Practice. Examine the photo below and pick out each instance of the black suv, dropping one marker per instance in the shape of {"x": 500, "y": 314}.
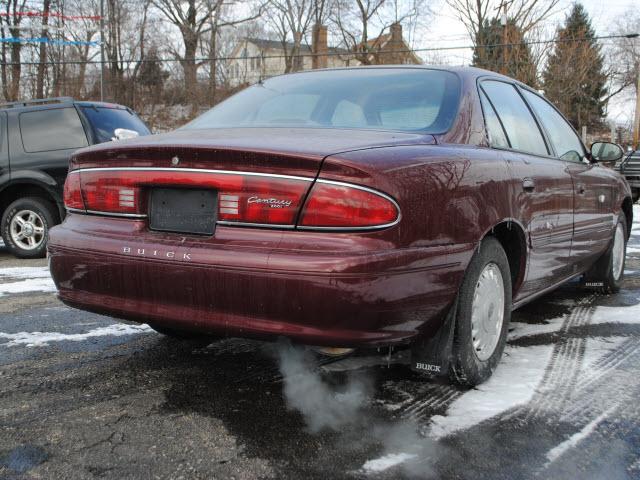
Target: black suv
{"x": 37, "y": 139}
{"x": 630, "y": 169}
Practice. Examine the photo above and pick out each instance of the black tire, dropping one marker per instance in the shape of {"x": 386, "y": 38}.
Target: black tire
{"x": 466, "y": 366}
{"x": 47, "y": 216}
{"x": 184, "y": 335}
{"x": 601, "y": 275}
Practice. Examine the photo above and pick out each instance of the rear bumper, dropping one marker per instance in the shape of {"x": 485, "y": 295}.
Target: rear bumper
{"x": 321, "y": 289}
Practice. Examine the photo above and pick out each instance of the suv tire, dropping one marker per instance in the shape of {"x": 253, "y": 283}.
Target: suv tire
{"x": 25, "y": 226}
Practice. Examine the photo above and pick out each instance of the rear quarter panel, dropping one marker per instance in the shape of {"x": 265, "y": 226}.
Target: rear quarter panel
{"x": 448, "y": 195}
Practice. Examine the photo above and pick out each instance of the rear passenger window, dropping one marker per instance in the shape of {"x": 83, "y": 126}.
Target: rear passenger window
{"x": 520, "y": 126}
{"x": 56, "y": 129}
{"x": 564, "y": 140}
{"x": 497, "y": 137}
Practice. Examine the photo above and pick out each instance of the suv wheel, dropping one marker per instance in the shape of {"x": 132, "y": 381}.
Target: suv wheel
{"x": 25, "y": 226}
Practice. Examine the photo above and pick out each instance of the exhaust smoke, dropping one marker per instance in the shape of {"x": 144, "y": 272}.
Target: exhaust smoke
{"x": 321, "y": 406}
{"x": 329, "y": 407}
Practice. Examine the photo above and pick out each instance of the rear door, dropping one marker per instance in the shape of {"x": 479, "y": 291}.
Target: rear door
{"x": 43, "y": 140}
{"x": 543, "y": 188}
{"x": 593, "y": 189}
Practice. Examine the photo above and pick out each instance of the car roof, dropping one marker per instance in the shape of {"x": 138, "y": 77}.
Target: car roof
{"x": 467, "y": 72}
{"x": 54, "y": 102}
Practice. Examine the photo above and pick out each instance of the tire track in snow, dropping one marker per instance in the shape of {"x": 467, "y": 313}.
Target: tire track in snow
{"x": 562, "y": 372}
{"x": 418, "y": 400}
{"x": 594, "y": 395}
{"x": 609, "y": 362}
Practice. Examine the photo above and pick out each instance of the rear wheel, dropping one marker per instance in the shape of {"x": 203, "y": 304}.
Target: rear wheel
{"x": 607, "y": 273}
{"x": 482, "y": 316}
{"x": 25, "y": 226}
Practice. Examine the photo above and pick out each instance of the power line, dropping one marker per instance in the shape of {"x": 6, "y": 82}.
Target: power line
{"x": 50, "y": 41}
{"x": 31, "y": 13}
{"x": 329, "y": 53}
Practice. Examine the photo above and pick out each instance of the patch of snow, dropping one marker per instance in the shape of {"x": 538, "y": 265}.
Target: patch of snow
{"x": 31, "y": 279}
{"x": 616, "y": 315}
{"x": 577, "y": 437}
{"x": 520, "y": 329}
{"x": 41, "y": 339}
{"x": 386, "y": 462}
{"x": 513, "y": 383}
{"x": 25, "y": 272}
{"x": 595, "y": 349}
{"x": 29, "y": 285}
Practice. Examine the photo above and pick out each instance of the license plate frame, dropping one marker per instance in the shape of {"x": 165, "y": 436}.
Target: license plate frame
{"x": 183, "y": 210}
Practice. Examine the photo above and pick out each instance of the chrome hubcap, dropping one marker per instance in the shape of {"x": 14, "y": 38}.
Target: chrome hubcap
{"x": 617, "y": 259}
{"x": 27, "y": 230}
{"x": 487, "y": 311}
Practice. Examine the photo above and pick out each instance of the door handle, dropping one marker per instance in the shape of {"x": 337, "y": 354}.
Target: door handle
{"x": 528, "y": 185}
{"x": 581, "y": 189}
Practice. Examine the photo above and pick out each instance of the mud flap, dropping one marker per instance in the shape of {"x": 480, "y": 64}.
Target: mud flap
{"x": 432, "y": 356}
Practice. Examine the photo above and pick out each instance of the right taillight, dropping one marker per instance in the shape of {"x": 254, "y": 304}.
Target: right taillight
{"x": 73, "y": 192}
{"x": 345, "y": 206}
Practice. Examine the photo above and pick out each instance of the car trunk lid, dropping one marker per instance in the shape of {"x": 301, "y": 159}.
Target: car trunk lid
{"x": 259, "y": 176}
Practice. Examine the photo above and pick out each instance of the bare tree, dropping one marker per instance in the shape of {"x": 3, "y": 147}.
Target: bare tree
{"x": 359, "y": 23}
{"x": 10, "y": 23}
{"x": 291, "y": 20}
{"x": 525, "y": 14}
{"x": 193, "y": 20}
{"x": 43, "y": 49}
{"x": 623, "y": 57}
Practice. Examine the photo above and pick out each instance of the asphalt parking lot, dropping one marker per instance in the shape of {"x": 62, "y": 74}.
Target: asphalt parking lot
{"x": 82, "y": 396}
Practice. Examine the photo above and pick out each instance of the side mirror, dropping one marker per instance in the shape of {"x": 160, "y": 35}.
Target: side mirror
{"x": 124, "y": 133}
{"x": 606, "y": 152}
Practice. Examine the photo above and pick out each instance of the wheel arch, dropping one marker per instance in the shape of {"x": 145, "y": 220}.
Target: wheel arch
{"x": 627, "y": 209}
{"x": 22, "y": 188}
{"x": 512, "y": 237}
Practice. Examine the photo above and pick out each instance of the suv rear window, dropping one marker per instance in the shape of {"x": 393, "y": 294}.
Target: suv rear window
{"x": 105, "y": 120}
{"x": 55, "y": 129}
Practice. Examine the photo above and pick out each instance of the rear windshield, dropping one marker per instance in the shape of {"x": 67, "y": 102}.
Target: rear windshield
{"x": 105, "y": 120}
{"x": 389, "y": 99}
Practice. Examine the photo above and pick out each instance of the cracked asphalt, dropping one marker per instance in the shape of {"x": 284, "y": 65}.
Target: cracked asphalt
{"x": 83, "y": 397}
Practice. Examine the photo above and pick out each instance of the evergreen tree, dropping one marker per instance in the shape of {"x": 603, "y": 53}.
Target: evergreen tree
{"x": 574, "y": 79}
{"x": 491, "y": 52}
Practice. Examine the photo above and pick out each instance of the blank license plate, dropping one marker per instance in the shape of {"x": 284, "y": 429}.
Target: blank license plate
{"x": 183, "y": 210}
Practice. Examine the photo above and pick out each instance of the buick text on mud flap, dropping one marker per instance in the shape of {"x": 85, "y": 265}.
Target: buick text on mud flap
{"x": 427, "y": 367}
{"x": 151, "y": 252}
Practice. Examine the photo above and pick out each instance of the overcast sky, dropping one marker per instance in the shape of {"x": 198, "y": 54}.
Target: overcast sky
{"x": 446, "y": 30}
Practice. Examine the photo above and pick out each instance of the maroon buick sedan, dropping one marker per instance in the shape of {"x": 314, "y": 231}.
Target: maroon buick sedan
{"x": 375, "y": 207}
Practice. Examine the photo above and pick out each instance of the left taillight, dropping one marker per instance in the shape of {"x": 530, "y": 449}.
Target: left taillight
{"x": 73, "y": 192}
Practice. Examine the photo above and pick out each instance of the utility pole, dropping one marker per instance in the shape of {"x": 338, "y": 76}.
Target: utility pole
{"x": 504, "y": 21}
{"x": 102, "y": 50}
